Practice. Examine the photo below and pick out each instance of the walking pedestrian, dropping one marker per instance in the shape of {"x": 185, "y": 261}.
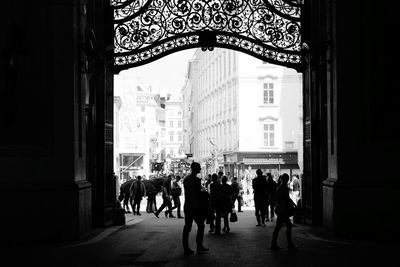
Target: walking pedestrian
{"x": 166, "y": 196}
{"x": 193, "y": 209}
{"x": 284, "y": 209}
{"x": 260, "y": 197}
{"x": 138, "y": 191}
{"x": 176, "y": 192}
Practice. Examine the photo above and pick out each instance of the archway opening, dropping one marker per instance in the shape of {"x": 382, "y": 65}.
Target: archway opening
{"x": 268, "y": 31}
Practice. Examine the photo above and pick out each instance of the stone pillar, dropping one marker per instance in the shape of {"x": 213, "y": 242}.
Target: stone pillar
{"x": 44, "y": 191}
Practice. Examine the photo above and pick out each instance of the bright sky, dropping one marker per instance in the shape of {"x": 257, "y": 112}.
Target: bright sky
{"x": 166, "y": 74}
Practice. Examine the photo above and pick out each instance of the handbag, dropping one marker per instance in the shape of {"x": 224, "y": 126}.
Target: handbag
{"x": 291, "y": 208}
{"x": 233, "y": 217}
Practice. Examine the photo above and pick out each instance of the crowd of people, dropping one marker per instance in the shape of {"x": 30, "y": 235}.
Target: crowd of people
{"x": 212, "y": 201}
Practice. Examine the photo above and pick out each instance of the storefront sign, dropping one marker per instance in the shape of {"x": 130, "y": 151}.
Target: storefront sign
{"x": 255, "y": 161}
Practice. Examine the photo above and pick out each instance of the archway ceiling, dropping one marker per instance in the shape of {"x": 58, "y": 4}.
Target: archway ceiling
{"x": 145, "y": 30}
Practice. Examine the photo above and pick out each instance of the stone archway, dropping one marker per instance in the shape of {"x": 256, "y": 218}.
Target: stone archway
{"x": 270, "y": 30}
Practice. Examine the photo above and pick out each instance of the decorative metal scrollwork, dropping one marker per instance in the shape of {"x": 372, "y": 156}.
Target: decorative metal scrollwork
{"x": 145, "y": 30}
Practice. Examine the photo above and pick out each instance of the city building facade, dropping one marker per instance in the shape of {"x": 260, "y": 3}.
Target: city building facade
{"x": 141, "y": 121}
{"x": 174, "y": 135}
{"x": 245, "y": 114}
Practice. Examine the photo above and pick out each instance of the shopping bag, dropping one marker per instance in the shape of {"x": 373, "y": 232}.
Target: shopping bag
{"x": 233, "y": 217}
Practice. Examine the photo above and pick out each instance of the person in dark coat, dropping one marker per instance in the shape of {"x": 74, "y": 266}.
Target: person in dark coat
{"x": 271, "y": 190}
{"x": 227, "y": 202}
{"x": 194, "y": 209}
{"x": 216, "y": 196}
{"x": 176, "y": 192}
{"x": 282, "y": 210}
{"x": 138, "y": 191}
{"x": 260, "y": 197}
{"x": 151, "y": 193}
{"x": 167, "y": 198}
{"x": 236, "y": 187}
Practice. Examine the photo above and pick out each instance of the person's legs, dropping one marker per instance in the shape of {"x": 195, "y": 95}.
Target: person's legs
{"x": 200, "y": 233}
{"x": 138, "y": 206}
{"x": 257, "y": 212}
{"x": 288, "y": 224}
{"x": 131, "y": 202}
{"x": 239, "y": 200}
{"x": 169, "y": 211}
{"x": 272, "y": 209}
{"x": 226, "y": 221}
{"x": 218, "y": 216}
{"x": 262, "y": 213}
{"x": 212, "y": 220}
{"x": 186, "y": 230}
{"x": 279, "y": 223}
{"x": 175, "y": 200}
{"x": 163, "y": 205}
{"x": 179, "y": 207}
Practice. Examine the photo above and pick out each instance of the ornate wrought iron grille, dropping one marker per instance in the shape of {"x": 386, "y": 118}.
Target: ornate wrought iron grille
{"x": 145, "y": 30}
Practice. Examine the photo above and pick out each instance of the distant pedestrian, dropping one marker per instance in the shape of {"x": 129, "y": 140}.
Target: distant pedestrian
{"x": 176, "y": 192}
{"x": 260, "y": 197}
{"x": 237, "y": 190}
{"x": 216, "y": 196}
{"x": 151, "y": 198}
{"x": 227, "y": 202}
{"x": 167, "y": 198}
{"x": 284, "y": 209}
{"x": 138, "y": 191}
{"x": 271, "y": 191}
{"x": 194, "y": 209}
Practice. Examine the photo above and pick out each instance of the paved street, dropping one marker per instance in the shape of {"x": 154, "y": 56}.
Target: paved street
{"x": 149, "y": 241}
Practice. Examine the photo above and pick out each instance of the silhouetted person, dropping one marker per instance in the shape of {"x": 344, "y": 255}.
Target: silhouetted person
{"x": 216, "y": 196}
{"x": 227, "y": 202}
{"x": 271, "y": 191}
{"x": 166, "y": 195}
{"x": 236, "y": 187}
{"x": 194, "y": 209}
{"x": 220, "y": 174}
{"x": 138, "y": 191}
{"x": 176, "y": 192}
{"x": 260, "y": 197}
{"x": 151, "y": 198}
{"x": 283, "y": 202}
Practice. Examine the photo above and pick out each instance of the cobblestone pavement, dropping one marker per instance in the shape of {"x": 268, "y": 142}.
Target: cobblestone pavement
{"x": 149, "y": 241}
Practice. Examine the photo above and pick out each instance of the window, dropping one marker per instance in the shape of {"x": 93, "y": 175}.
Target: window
{"x": 179, "y": 124}
{"x": 180, "y": 137}
{"x": 143, "y": 108}
{"x": 143, "y": 119}
{"x": 179, "y": 112}
{"x": 289, "y": 144}
{"x": 269, "y": 134}
{"x": 171, "y": 137}
{"x": 268, "y": 93}
{"x": 171, "y": 124}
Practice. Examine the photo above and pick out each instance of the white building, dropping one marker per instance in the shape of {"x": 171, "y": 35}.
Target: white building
{"x": 245, "y": 114}
{"x": 139, "y": 129}
{"x": 174, "y": 126}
